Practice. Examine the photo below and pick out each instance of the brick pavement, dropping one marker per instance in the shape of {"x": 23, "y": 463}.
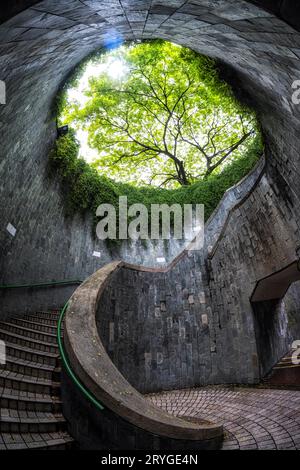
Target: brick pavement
{"x": 253, "y": 418}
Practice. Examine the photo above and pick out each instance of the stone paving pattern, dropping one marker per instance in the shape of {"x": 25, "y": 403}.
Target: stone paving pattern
{"x": 253, "y": 418}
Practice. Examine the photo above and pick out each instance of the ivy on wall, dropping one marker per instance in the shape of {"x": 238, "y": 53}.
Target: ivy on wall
{"x": 85, "y": 188}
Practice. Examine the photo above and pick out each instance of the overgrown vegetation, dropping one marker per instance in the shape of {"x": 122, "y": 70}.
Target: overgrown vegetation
{"x": 85, "y": 188}
{"x": 157, "y": 113}
{"x": 201, "y": 140}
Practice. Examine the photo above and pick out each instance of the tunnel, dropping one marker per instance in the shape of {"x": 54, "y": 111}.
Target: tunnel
{"x": 190, "y": 323}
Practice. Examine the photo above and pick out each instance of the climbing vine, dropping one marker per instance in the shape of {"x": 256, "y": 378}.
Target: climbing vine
{"x": 85, "y": 188}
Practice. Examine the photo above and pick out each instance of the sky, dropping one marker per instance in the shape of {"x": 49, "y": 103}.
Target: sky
{"x": 116, "y": 69}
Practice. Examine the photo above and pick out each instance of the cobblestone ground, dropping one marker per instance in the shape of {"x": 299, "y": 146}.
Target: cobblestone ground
{"x": 252, "y": 418}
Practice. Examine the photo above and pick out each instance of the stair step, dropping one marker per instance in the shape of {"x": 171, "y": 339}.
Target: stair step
{"x": 285, "y": 374}
{"x": 40, "y": 314}
{"x": 28, "y": 401}
{"x": 286, "y": 359}
{"x": 15, "y": 421}
{"x": 29, "y": 333}
{"x": 55, "y": 441}
{"x": 33, "y": 369}
{"x": 40, "y": 319}
{"x": 32, "y": 355}
{"x": 27, "y": 383}
{"x": 35, "y": 325}
{"x": 30, "y": 405}
{"x": 27, "y": 342}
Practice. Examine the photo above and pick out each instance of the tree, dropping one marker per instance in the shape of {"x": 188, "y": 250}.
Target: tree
{"x": 169, "y": 121}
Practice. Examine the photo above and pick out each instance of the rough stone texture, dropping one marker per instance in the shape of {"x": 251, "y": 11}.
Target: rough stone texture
{"x": 39, "y": 47}
{"x": 10, "y": 8}
{"x": 276, "y": 326}
{"x": 288, "y": 10}
{"x": 126, "y": 412}
{"x": 252, "y": 418}
{"x": 194, "y": 325}
{"x": 105, "y": 430}
{"x": 159, "y": 328}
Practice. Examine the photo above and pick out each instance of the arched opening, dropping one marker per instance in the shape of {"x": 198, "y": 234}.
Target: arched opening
{"x": 156, "y": 123}
{"x": 275, "y": 302}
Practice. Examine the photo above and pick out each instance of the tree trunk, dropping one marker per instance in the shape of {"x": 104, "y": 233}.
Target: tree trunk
{"x": 182, "y": 174}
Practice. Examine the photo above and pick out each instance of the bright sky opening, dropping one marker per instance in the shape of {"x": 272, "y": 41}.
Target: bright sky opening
{"x": 116, "y": 69}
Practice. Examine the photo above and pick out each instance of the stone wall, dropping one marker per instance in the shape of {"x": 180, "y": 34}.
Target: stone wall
{"x": 194, "y": 324}
{"x": 277, "y": 325}
{"x": 286, "y": 9}
{"x": 159, "y": 327}
{"x": 125, "y": 418}
{"x": 38, "y": 48}
{"x": 290, "y": 305}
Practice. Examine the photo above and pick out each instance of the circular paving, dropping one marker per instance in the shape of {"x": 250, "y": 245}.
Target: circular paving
{"x": 253, "y": 418}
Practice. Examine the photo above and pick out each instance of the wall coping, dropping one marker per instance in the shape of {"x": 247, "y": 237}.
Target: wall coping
{"x": 93, "y": 367}
{"x": 275, "y": 285}
{"x": 232, "y": 199}
{"x": 217, "y": 223}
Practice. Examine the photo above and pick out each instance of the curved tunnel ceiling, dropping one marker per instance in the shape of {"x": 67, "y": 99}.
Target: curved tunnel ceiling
{"x": 287, "y": 10}
{"x": 43, "y": 43}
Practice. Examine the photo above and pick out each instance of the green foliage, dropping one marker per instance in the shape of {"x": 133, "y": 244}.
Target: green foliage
{"x": 191, "y": 136}
{"x": 170, "y": 121}
{"x": 85, "y": 188}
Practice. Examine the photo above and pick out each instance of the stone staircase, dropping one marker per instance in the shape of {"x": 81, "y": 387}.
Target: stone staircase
{"x": 284, "y": 374}
{"x": 30, "y": 406}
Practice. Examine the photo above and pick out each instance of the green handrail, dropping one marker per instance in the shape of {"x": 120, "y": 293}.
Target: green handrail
{"x": 86, "y": 392}
{"x": 40, "y": 284}
{"x": 63, "y": 355}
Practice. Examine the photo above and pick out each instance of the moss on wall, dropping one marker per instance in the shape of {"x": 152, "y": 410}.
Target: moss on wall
{"x": 85, "y": 188}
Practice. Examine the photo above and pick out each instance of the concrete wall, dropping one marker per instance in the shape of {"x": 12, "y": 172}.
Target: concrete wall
{"x": 38, "y": 49}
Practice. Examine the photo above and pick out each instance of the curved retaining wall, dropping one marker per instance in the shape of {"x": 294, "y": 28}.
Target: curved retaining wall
{"x": 193, "y": 324}
{"x": 129, "y": 420}
{"x": 158, "y": 325}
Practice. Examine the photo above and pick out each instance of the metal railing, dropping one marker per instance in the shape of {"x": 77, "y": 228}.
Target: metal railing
{"x": 62, "y": 352}
{"x": 67, "y": 366}
{"x": 41, "y": 284}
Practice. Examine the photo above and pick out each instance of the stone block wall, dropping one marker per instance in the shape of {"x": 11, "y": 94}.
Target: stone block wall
{"x": 38, "y": 49}
{"x": 195, "y": 325}
{"x": 288, "y": 10}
